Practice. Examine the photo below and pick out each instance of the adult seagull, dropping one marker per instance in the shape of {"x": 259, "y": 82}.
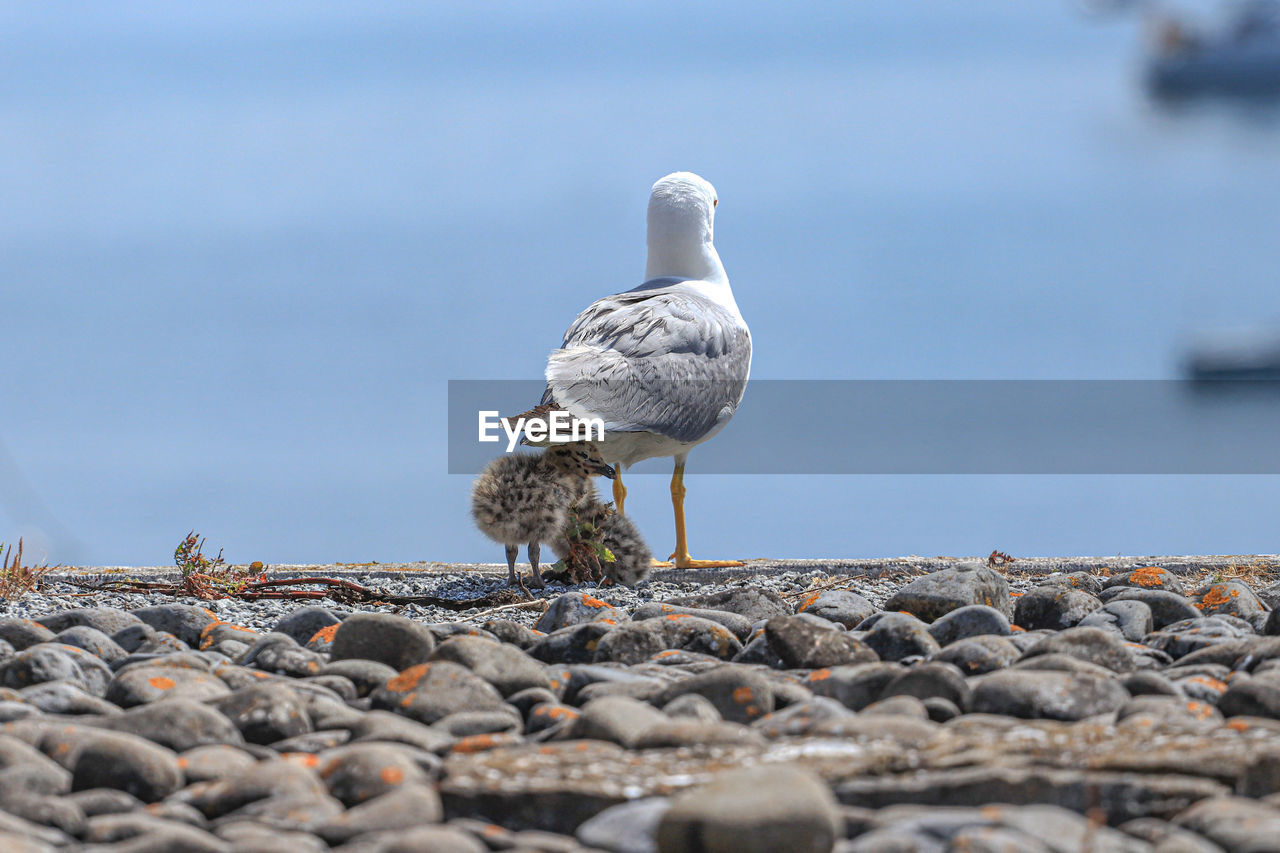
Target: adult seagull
{"x": 664, "y": 365}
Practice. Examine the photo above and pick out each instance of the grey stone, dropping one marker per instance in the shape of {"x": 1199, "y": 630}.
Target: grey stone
{"x": 432, "y": 691}
{"x": 302, "y": 624}
{"x": 617, "y": 719}
{"x": 1131, "y": 619}
{"x": 366, "y": 675}
{"x": 629, "y": 828}
{"x": 1053, "y": 607}
{"x": 738, "y": 694}
{"x": 179, "y": 724}
{"x": 129, "y": 763}
{"x": 973, "y": 620}
{"x": 1146, "y": 577}
{"x": 856, "y": 686}
{"x": 405, "y": 807}
{"x": 1231, "y": 598}
{"x": 265, "y": 713}
{"x": 151, "y": 683}
{"x": 931, "y": 679}
{"x": 504, "y": 666}
{"x": 24, "y": 633}
{"x": 843, "y": 606}
{"x": 979, "y": 655}
{"x": 735, "y": 622}
{"x": 1095, "y": 645}
{"x": 757, "y": 810}
{"x": 896, "y": 636}
{"x": 576, "y": 608}
{"x": 753, "y": 602}
{"x": 635, "y": 642}
{"x": 1166, "y": 607}
{"x": 940, "y": 592}
{"x": 799, "y": 645}
{"x": 1045, "y": 695}
{"x": 56, "y": 662}
{"x": 360, "y": 772}
{"x": 398, "y": 642}
{"x": 1233, "y": 823}
{"x": 184, "y": 621}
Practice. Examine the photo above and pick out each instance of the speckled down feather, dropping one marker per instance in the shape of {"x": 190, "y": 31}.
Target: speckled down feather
{"x": 519, "y": 499}
{"x": 632, "y": 558}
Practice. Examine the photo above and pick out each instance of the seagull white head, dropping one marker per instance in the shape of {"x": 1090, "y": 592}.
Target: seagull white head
{"x": 682, "y": 212}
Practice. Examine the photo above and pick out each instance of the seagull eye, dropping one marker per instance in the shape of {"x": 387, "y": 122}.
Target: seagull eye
{"x": 714, "y": 202}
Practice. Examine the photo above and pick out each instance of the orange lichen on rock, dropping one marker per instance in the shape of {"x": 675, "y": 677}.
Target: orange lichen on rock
{"x": 556, "y": 712}
{"x": 1201, "y": 710}
{"x": 820, "y": 674}
{"x": 1147, "y": 576}
{"x": 743, "y": 695}
{"x": 474, "y": 743}
{"x": 594, "y": 602}
{"x": 391, "y": 775}
{"x": 1237, "y": 725}
{"x": 325, "y": 634}
{"x": 808, "y": 602}
{"x": 408, "y": 679}
{"x": 1208, "y": 681}
{"x": 160, "y": 682}
{"x": 1218, "y": 594}
{"x": 675, "y": 617}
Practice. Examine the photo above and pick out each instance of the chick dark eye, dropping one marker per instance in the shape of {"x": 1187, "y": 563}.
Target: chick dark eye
{"x": 714, "y": 202}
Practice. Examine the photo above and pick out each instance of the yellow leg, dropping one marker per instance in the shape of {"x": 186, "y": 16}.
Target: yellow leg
{"x": 681, "y": 555}
{"x": 619, "y": 494}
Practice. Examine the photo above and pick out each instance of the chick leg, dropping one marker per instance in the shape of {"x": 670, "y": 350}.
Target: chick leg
{"x": 535, "y": 550}
{"x": 513, "y": 551}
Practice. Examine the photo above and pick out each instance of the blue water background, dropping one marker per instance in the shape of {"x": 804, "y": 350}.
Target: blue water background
{"x": 243, "y": 246}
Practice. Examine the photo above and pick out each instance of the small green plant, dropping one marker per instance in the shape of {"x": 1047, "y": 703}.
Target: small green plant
{"x": 16, "y": 580}
{"x": 211, "y": 577}
{"x": 190, "y": 558}
{"x": 587, "y": 553}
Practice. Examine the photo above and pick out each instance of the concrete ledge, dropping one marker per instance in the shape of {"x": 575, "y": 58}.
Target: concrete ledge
{"x": 872, "y": 568}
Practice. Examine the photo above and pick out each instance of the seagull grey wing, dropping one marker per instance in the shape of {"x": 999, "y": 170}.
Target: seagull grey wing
{"x": 664, "y": 360}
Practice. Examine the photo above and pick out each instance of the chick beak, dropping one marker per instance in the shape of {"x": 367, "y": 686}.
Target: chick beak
{"x": 604, "y": 470}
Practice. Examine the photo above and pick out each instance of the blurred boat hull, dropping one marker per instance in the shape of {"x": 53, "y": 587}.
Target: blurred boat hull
{"x": 1239, "y": 354}
{"x": 1252, "y": 70}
